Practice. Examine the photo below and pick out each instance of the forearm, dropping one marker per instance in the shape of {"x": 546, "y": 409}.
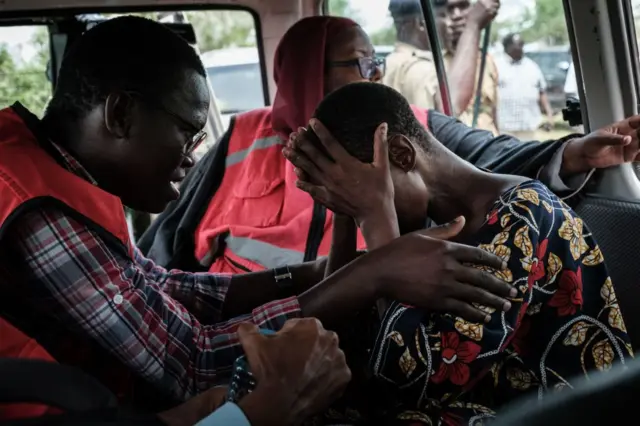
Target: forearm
{"x": 463, "y": 69}
{"x": 381, "y": 228}
{"x": 342, "y": 294}
{"x": 248, "y": 291}
{"x": 545, "y": 105}
{"x": 343, "y": 243}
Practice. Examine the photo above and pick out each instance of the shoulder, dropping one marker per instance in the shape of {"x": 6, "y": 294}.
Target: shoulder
{"x": 530, "y": 205}
{"x": 551, "y": 222}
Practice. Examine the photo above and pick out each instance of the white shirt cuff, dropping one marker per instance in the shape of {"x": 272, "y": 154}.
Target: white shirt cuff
{"x": 550, "y": 174}
{"x": 227, "y": 415}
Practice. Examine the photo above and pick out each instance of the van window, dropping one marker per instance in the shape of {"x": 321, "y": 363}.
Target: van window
{"x": 634, "y": 39}
{"x": 24, "y": 56}
{"x": 237, "y": 87}
{"x": 515, "y": 93}
{"x": 227, "y": 43}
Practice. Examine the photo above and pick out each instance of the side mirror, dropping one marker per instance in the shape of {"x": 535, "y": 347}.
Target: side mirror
{"x": 564, "y": 65}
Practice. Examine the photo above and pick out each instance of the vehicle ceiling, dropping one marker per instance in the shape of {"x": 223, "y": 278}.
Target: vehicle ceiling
{"x": 276, "y": 16}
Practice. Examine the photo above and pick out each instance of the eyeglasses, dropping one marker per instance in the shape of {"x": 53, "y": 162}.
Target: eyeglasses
{"x": 368, "y": 66}
{"x": 196, "y": 140}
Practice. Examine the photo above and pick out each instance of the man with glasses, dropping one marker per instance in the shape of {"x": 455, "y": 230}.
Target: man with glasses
{"x": 410, "y": 67}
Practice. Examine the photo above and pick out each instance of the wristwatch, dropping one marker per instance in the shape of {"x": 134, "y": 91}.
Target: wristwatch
{"x": 283, "y": 278}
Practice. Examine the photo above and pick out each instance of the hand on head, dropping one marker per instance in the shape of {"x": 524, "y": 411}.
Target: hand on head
{"x": 421, "y": 268}
{"x": 337, "y": 180}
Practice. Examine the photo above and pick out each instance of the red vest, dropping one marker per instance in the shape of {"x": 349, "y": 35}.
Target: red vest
{"x": 263, "y": 218}
{"x": 29, "y": 177}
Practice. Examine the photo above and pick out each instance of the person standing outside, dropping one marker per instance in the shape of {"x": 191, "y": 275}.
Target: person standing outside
{"x": 522, "y": 92}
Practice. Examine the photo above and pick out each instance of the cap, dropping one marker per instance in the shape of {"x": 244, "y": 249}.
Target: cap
{"x": 404, "y": 7}
{"x": 410, "y": 7}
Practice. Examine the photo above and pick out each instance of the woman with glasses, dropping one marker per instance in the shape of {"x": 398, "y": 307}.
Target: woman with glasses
{"x": 247, "y": 214}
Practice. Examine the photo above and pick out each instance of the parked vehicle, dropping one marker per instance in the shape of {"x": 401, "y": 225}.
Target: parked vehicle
{"x": 236, "y": 80}
{"x": 554, "y": 62}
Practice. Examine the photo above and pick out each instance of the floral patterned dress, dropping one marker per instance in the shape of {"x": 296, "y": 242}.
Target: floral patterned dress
{"x": 565, "y": 323}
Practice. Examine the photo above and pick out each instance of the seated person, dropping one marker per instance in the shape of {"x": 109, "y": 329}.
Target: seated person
{"x": 563, "y": 322}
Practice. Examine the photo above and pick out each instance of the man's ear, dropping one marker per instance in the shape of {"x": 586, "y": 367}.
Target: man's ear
{"x": 118, "y": 114}
{"x": 402, "y": 153}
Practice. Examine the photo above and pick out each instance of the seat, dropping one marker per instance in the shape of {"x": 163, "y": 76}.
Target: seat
{"x": 615, "y": 225}
{"x": 598, "y": 400}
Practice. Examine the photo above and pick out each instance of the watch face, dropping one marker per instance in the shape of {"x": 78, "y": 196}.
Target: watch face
{"x": 242, "y": 381}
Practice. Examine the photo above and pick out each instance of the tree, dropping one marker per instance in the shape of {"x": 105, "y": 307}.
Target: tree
{"x": 342, "y": 8}
{"x": 545, "y": 22}
{"x": 219, "y": 29}
{"x": 384, "y": 37}
{"x": 26, "y": 81}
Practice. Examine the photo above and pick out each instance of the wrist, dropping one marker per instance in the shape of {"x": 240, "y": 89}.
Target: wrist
{"x": 474, "y": 24}
{"x": 572, "y": 159}
{"x": 380, "y": 227}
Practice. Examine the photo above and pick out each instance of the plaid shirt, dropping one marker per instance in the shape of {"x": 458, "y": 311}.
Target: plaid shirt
{"x": 129, "y": 306}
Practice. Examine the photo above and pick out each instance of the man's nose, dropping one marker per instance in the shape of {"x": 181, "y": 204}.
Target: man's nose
{"x": 377, "y": 77}
{"x": 188, "y": 161}
{"x": 456, "y": 13}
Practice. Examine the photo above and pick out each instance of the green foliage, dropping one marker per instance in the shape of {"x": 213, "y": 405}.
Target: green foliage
{"x": 341, "y": 8}
{"x": 218, "y": 29}
{"x": 545, "y": 22}
{"x": 26, "y": 82}
{"x": 384, "y": 37}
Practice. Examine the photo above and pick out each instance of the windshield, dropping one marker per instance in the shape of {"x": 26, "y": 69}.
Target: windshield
{"x": 237, "y": 87}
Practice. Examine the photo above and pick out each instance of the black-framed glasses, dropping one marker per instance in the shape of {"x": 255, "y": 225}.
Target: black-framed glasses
{"x": 189, "y": 147}
{"x": 368, "y": 65}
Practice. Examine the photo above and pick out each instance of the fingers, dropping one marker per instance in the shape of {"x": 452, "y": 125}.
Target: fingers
{"x": 634, "y": 121}
{"x": 318, "y": 193}
{"x": 333, "y": 147}
{"x": 250, "y": 339}
{"x": 465, "y": 311}
{"x": 381, "y": 147}
{"x": 306, "y": 142}
{"x": 470, "y": 294}
{"x": 631, "y": 150}
{"x": 306, "y": 167}
{"x": 485, "y": 280}
{"x": 477, "y": 256}
{"x": 447, "y": 231}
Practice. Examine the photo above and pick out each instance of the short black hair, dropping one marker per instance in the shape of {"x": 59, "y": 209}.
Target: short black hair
{"x": 127, "y": 53}
{"x": 354, "y": 112}
{"x": 510, "y": 38}
{"x": 407, "y": 8}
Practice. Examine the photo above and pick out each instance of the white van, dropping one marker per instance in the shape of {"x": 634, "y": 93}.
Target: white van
{"x": 236, "y": 80}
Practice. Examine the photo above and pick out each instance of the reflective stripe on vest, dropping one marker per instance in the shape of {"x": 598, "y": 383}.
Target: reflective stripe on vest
{"x": 267, "y": 255}
{"x": 261, "y": 143}
{"x": 263, "y": 218}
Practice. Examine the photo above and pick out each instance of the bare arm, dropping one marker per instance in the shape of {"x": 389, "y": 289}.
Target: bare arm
{"x": 463, "y": 69}
{"x": 343, "y": 243}
{"x": 545, "y": 105}
{"x": 248, "y": 291}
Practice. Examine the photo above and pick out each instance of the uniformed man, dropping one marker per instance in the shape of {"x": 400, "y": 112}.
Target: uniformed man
{"x": 410, "y": 68}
